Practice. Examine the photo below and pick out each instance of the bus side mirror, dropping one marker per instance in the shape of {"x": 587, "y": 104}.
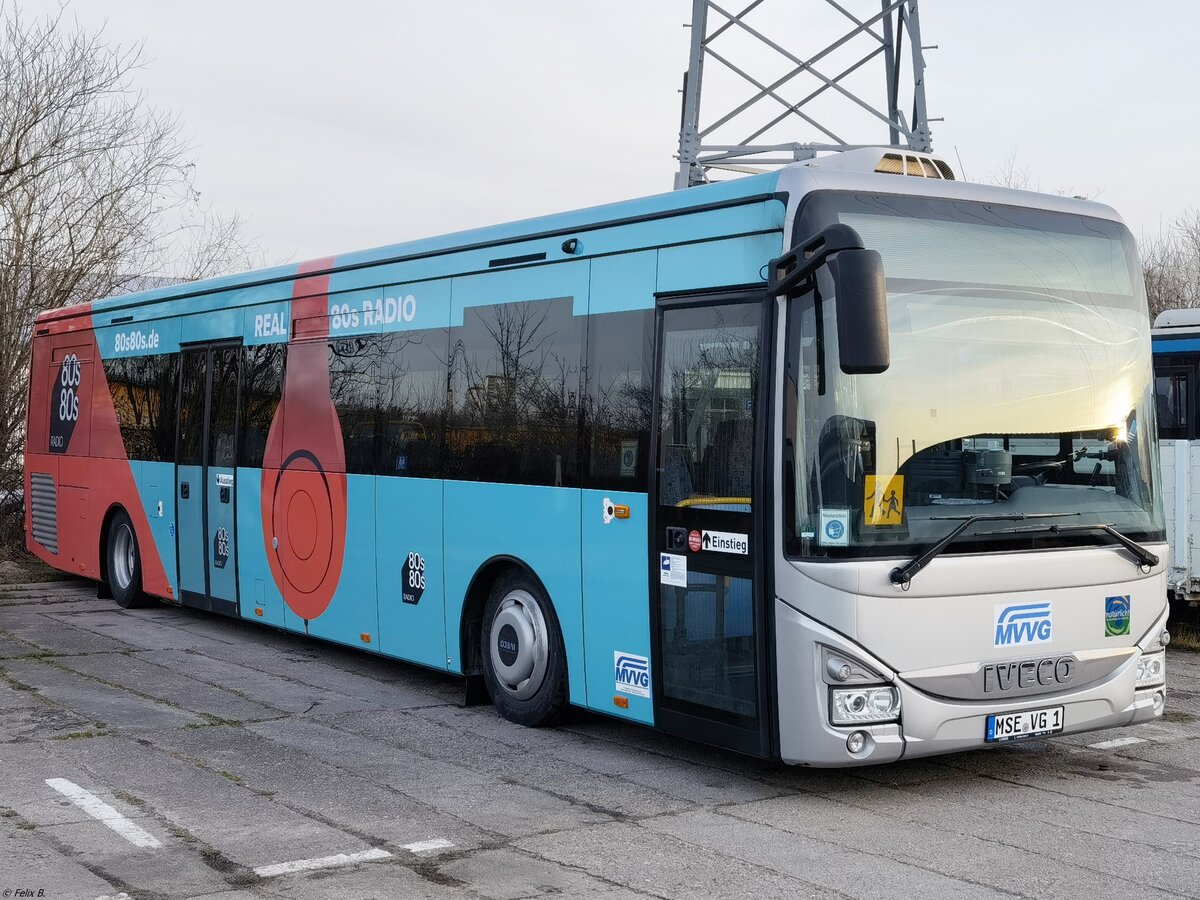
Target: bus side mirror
{"x": 862, "y": 320}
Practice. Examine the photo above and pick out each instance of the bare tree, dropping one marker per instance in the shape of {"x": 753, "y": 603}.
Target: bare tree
{"x": 1171, "y": 265}
{"x": 1012, "y": 174}
{"x": 96, "y": 192}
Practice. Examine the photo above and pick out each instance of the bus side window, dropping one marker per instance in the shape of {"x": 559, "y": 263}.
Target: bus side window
{"x": 354, "y": 388}
{"x": 618, "y": 399}
{"x": 144, "y": 391}
{"x": 515, "y": 379}
{"x": 412, "y": 402}
{"x": 262, "y": 386}
{"x": 1172, "y": 401}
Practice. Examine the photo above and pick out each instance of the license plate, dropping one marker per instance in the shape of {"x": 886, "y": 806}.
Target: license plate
{"x": 1030, "y": 723}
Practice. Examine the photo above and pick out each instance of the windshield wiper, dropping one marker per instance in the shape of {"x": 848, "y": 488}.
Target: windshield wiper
{"x": 902, "y": 575}
{"x": 1143, "y": 556}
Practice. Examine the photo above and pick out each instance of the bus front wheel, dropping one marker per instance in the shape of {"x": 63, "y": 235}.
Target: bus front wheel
{"x": 124, "y": 561}
{"x": 524, "y": 663}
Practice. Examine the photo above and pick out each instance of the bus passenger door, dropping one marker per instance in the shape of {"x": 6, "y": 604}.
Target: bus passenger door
{"x": 708, "y": 540}
{"x": 204, "y": 477}
{"x": 189, "y": 477}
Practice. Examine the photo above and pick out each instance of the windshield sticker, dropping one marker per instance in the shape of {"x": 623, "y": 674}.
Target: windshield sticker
{"x": 1116, "y": 616}
{"x": 883, "y": 505}
{"x": 629, "y": 450}
{"x": 672, "y": 569}
{"x": 835, "y": 528}
{"x": 725, "y": 542}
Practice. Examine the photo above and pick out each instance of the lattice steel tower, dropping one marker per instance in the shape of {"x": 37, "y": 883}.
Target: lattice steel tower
{"x": 846, "y": 41}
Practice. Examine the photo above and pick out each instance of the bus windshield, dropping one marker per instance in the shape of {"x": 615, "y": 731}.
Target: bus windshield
{"x": 1020, "y": 383}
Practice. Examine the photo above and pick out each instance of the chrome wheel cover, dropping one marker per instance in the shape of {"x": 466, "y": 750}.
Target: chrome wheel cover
{"x": 124, "y": 557}
{"x": 519, "y": 645}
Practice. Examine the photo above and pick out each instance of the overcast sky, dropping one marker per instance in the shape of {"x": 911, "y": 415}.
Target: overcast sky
{"x": 342, "y": 126}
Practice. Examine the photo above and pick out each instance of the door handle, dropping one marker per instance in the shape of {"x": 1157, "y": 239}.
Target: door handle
{"x": 185, "y": 490}
{"x": 225, "y": 495}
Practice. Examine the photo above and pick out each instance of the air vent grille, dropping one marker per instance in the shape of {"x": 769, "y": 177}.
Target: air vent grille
{"x": 918, "y": 166}
{"x": 43, "y": 502}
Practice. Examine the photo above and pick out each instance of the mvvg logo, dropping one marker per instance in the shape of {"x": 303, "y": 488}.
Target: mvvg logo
{"x": 632, "y": 674}
{"x": 1023, "y": 623}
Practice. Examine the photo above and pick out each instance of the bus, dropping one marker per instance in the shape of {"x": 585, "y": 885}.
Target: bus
{"x": 1176, "y": 347}
{"x": 839, "y": 464}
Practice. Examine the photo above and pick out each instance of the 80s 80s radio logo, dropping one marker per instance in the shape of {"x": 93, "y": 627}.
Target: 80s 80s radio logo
{"x": 1023, "y": 623}
{"x": 64, "y": 403}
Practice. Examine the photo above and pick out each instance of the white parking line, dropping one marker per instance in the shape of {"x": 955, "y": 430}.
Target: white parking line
{"x": 321, "y": 862}
{"x": 1116, "y": 742}
{"x": 98, "y": 809}
{"x": 426, "y": 846}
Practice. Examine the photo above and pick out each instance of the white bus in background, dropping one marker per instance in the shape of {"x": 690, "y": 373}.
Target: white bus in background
{"x": 1176, "y": 343}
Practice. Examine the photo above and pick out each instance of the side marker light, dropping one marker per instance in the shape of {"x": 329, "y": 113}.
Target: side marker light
{"x": 620, "y": 512}
{"x": 258, "y": 610}
{"x": 622, "y": 702}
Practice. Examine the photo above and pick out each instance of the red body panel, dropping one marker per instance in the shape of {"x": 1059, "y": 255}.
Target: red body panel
{"x": 91, "y": 471}
{"x": 303, "y": 479}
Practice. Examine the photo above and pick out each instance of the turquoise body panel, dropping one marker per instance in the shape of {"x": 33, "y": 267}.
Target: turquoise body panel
{"x": 537, "y": 525}
{"x": 191, "y": 531}
{"x": 156, "y": 486}
{"x": 258, "y": 590}
{"x": 595, "y": 572}
{"x": 410, "y": 571}
{"x": 221, "y": 538}
{"x": 616, "y": 592}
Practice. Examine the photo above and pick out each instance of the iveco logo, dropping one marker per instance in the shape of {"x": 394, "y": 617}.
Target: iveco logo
{"x": 1029, "y": 673}
{"x": 1022, "y": 623}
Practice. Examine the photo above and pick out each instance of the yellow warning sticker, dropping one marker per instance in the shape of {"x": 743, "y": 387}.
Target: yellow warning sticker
{"x": 883, "y": 505}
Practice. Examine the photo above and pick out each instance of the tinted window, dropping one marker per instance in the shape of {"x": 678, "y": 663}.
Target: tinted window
{"x": 191, "y": 408}
{"x": 262, "y": 386}
{"x": 619, "y": 398}
{"x": 709, "y": 391}
{"x": 412, "y": 399}
{"x": 1172, "y": 403}
{"x": 222, "y": 421}
{"x": 515, "y": 378}
{"x": 145, "y": 390}
{"x": 354, "y": 389}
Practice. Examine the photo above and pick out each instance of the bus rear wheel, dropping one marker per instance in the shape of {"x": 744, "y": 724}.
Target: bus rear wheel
{"x": 524, "y": 662}
{"x": 124, "y": 561}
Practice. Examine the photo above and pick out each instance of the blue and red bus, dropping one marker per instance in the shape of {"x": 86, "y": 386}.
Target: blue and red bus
{"x": 839, "y": 464}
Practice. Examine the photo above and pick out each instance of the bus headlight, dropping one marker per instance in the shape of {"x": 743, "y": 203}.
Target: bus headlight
{"x": 1151, "y": 669}
{"x": 850, "y": 706}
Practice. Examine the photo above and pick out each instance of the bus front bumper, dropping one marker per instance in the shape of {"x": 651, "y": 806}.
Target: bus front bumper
{"x": 928, "y": 725}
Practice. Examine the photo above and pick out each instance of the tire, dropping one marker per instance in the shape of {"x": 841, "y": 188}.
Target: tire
{"x": 124, "y": 563}
{"x": 524, "y": 662}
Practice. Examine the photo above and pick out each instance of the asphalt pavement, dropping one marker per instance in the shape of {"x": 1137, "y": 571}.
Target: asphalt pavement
{"x": 166, "y": 753}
